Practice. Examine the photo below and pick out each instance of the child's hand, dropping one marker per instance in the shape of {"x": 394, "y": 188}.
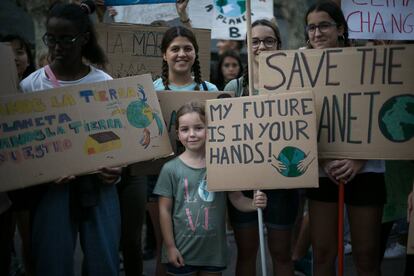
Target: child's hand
{"x": 174, "y": 257}
{"x": 259, "y": 200}
{"x": 109, "y": 175}
{"x": 410, "y": 207}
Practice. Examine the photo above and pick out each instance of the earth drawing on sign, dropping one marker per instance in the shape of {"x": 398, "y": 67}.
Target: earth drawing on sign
{"x": 292, "y": 162}
{"x": 140, "y": 115}
{"x": 231, "y": 8}
{"x": 396, "y": 118}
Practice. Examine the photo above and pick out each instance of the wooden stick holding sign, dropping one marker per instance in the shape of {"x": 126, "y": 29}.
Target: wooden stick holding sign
{"x": 341, "y": 196}
{"x": 251, "y": 82}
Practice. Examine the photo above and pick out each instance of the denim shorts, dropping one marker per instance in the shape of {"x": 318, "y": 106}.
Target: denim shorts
{"x": 190, "y": 269}
{"x": 280, "y": 213}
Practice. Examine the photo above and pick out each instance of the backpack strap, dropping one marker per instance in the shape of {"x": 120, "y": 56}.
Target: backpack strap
{"x": 52, "y": 76}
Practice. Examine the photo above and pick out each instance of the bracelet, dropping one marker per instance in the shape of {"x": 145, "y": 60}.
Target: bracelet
{"x": 185, "y": 21}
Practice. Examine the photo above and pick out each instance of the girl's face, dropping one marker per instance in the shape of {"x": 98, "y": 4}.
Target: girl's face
{"x": 180, "y": 55}
{"x": 322, "y": 30}
{"x": 230, "y": 68}
{"x": 20, "y": 57}
{"x": 192, "y": 131}
{"x": 64, "y": 40}
{"x": 263, "y": 39}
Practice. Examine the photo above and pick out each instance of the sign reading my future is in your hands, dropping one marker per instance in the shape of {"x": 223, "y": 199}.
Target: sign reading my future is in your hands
{"x": 78, "y": 129}
{"x": 262, "y": 142}
{"x": 364, "y": 97}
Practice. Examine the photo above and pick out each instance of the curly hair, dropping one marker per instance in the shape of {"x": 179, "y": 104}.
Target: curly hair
{"x": 79, "y": 16}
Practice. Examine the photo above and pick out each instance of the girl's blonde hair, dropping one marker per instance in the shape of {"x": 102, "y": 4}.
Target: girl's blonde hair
{"x": 190, "y": 107}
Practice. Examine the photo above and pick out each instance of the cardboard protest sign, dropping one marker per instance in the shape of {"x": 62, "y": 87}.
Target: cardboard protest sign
{"x": 262, "y": 142}
{"x": 364, "y": 97}
{"x": 8, "y": 72}
{"x": 227, "y": 19}
{"x": 389, "y": 20}
{"x": 136, "y": 49}
{"x": 170, "y": 102}
{"x": 135, "y": 2}
{"x": 78, "y": 129}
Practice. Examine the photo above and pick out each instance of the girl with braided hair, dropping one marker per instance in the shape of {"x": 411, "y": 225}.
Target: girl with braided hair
{"x": 282, "y": 205}
{"x": 181, "y": 65}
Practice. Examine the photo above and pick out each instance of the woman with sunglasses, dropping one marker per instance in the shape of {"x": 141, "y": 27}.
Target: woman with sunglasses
{"x": 86, "y": 205}
{"x": 326, "y": 27}
{"x": 282, "y": 205}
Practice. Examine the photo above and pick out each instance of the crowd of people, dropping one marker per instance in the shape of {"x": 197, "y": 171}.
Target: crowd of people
{"x": 106, "y": 210}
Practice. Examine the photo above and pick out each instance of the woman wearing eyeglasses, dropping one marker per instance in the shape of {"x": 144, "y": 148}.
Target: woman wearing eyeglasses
{"x": 282, "y": 205}
{"x": 326, "y": 27}
{"x": 229, "y": 67}
{"x": 86, "y": 205}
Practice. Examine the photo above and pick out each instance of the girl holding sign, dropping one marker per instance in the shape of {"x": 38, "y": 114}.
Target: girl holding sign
{"x": 192, "y": 218}
{"x": 180, "y": 72}
{"x": 326, "y": 27}
{"x": 282, "y": 208}
{"x": 86, "y": 205}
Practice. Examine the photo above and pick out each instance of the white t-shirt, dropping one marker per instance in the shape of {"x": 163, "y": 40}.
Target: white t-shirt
{"x": 39, "y": 81}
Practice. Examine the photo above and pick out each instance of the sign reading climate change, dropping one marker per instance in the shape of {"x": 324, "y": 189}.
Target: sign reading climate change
{"x": 227, "y": 18}
{"x": 390, "y": 20}
{"x": 262, "y": 142}
{"x": 78, "y": 129}
{"x": 364, "y": 97}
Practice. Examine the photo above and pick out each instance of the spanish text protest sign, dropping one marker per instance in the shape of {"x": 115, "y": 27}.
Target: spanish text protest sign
{"x": 364, "y": 97}
{"x": 262, "y": 142}
{"x": 389, "y": 20}
{"x": 136, "y": 49}
{"x": 78, "y": 129}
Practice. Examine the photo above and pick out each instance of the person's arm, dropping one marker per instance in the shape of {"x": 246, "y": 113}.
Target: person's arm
{"x": 181, "y": 6}
{"x": 165, "y": 208}
{"x": 245, "y": 204}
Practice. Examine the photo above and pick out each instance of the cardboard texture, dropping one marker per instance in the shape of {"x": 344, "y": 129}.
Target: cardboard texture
{"x": 136, "y": 49}
{"x": 78, "y": 129}
{"x": 410, "y": 241}
{"x": 262, "y": 142}
{"x": 8, "y": 72}
{"x": 390, "y": 20}
{"x": 364, "y": 97}
{"x": 170, "y": 102}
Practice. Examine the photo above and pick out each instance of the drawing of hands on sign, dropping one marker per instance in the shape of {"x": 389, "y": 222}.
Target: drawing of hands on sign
{"x": 303, "y": 165}
{"x": 278, "y": 165}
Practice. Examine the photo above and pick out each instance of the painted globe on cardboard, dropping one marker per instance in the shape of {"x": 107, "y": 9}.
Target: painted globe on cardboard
{"x": 396, "y": 118}
{"x": 290, "y": 157}
{"x": 139, "y": 114}
{"x": 231, "y": 8}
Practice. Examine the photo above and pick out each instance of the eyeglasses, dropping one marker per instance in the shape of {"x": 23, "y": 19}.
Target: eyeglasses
{"x": 268, "y": 42}
{"x": 64, "y": 41}
{"x": 323, "y": 27}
